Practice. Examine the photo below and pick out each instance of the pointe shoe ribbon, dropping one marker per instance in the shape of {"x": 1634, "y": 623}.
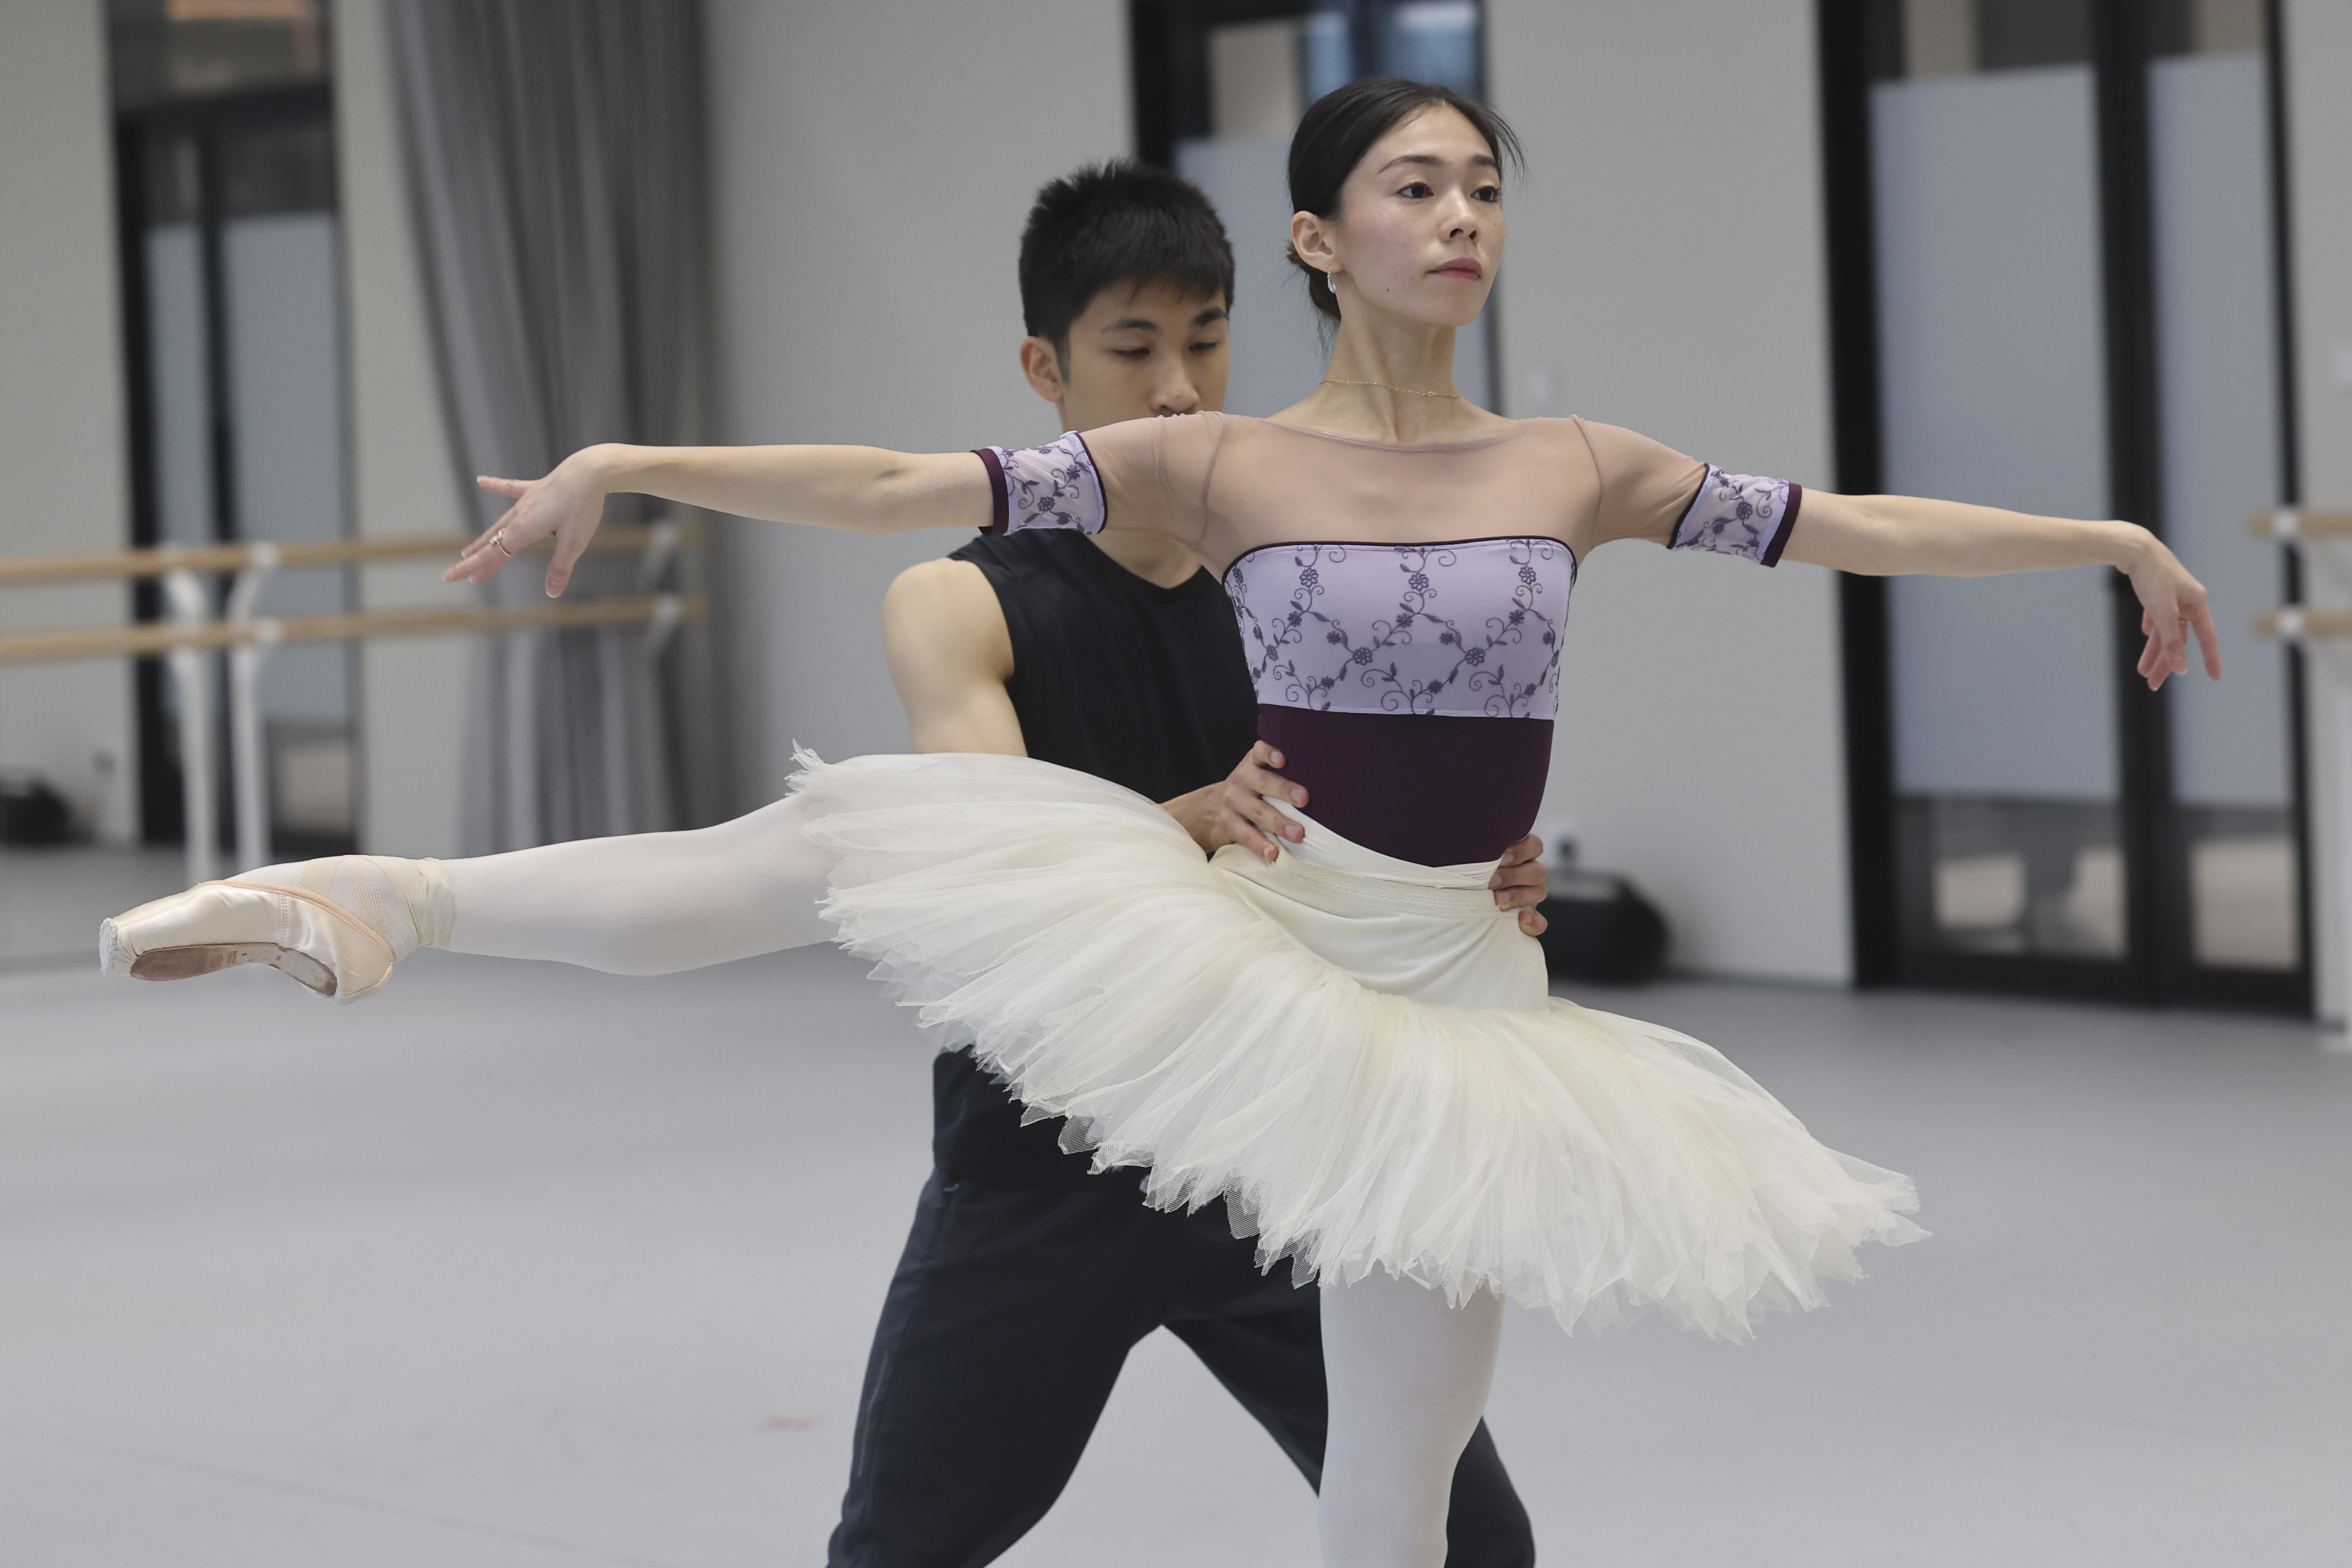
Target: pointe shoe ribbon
{"x": 297, "y": 931}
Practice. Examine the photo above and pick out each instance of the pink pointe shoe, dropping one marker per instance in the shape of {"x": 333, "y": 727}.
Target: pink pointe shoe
{"x": 337, "y": 925}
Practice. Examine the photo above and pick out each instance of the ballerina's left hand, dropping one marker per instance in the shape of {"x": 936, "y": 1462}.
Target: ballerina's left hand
{"x": 2172, "y": 606}
{"x": 566, "y": 505}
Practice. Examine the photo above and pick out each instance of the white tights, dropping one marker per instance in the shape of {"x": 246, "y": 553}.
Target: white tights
{"x": 1408, "y": 1374}
{"x": 650, "y": 903}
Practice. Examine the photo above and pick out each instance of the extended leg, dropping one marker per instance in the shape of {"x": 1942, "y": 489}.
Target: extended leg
{"x": 650, "y": 903}
{"x": 1408, "y": 1379}
{"x": 644, "y": 904}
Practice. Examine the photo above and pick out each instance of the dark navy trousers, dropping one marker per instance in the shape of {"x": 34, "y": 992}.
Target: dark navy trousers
{"x": 1006, "y": 1324}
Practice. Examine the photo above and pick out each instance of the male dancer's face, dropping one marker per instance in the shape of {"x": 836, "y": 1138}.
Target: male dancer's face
{"x": 1135, "y": 352}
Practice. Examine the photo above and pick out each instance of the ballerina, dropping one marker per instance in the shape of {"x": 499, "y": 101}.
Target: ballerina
{"x": 1027, "y": 1279}
{"x": 1346, "y": 1041}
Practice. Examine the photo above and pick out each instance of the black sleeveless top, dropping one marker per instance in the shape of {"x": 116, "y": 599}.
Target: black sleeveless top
{"x": 1122, "y": 678}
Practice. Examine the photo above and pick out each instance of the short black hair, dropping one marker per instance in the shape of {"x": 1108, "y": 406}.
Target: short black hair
{"x": 1340, "y": 127}
{"x": 1117, "y": 222}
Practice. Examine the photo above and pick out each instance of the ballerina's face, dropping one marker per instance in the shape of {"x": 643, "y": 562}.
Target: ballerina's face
{"x": 1420, "y": 226}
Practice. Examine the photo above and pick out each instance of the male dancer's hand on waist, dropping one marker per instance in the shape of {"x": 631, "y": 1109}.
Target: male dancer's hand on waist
{"x": 1241, "y": 810}
{"x": 1238, "y": 810}
{"x": 1521, "y": 883}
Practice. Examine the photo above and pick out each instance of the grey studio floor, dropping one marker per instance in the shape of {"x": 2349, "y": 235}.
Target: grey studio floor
{"x": 523, "y": 1266}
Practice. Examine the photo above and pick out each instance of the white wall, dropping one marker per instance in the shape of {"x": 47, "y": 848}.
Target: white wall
{"x": 873, "y": 164}
{"x": 1666, "y": 273}
{"x": 2319, "y": 60}
{"x": 412, "y": 690}
{"x": 61, "y": 402}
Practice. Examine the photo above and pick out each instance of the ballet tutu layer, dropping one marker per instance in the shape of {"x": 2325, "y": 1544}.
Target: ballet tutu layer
{"x": 1356, "y": 1053}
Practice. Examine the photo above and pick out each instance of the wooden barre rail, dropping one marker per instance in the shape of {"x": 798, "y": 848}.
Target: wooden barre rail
{"x": 2298, "y": 624}
{"x": 295, "y": 555}
{"x": 2290, "y": 523}
{"x": 162, "y": 636}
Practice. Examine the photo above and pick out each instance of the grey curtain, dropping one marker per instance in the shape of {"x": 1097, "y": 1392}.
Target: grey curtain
{"x": 555, "y": 163}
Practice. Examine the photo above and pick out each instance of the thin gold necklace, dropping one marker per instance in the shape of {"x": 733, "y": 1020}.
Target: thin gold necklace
{"x": 1384, "y": 386}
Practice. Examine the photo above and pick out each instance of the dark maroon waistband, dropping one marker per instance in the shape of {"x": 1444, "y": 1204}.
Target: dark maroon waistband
{"x": 1435, "y": 789}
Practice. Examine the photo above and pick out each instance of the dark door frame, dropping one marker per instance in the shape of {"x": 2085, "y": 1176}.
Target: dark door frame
{"x": 2158, "y": 967}
{"x": 136, "y": 131}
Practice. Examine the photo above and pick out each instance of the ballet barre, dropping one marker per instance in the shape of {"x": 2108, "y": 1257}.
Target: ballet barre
{"x": 663, "y": 611}
{"x": 2291, "y": 623}
{"x": 2288, "y": 522}
{"x": 660, "y": 541}
{"x": 2303, "y": 623}
{"x": 192, "y": 635}
{"x": 2320, "y": 540}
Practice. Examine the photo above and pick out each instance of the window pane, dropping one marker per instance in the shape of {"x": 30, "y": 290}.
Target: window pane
{"x": 286, "y": 379}
{"x": 1993, "y": 387}
{"x": 179, "y": 385}
{"x": 1436, "y": 40}
{"x": 2216, "y": 338}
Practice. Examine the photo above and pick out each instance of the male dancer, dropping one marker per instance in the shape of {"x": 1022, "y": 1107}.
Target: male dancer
{"x": 1027, "y": 1280}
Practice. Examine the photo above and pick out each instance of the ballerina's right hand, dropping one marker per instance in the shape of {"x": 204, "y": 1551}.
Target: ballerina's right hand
{"x": 565, "y": 506}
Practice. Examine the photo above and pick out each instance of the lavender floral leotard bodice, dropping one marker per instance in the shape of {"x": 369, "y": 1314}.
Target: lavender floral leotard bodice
{"x": 1401, "y": 608}
{"x": 1469, "y": 628}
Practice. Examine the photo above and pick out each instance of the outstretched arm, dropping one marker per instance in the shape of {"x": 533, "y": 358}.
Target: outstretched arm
{"x": 1883, "y": 536}
{"x": 860, "y": 489}
{"x": 1647, "y": 492}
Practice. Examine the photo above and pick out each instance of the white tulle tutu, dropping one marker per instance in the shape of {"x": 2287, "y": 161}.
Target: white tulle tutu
{"x": 1357, "y": 1054}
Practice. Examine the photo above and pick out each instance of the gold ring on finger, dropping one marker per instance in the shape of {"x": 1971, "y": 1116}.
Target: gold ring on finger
{"x": 500, "y": 539}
